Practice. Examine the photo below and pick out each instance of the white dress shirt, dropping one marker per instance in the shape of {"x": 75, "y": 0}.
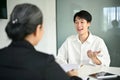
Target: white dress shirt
{"x": 73, "y": 51}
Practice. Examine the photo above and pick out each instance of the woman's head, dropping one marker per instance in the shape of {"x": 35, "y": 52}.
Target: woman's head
{"x": 23, "y": 21}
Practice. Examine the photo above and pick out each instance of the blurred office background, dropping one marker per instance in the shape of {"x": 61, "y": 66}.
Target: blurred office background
{"x": 105, "y": 23}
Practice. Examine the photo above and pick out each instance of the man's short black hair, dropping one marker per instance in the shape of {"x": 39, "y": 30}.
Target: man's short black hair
{"x": 83, "y": 14}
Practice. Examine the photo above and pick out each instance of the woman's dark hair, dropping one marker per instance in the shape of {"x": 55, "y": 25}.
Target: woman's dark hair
{"x": 83, "y": 14}
{"x": 23, "y": 21}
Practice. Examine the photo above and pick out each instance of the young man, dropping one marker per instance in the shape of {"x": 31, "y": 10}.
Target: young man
{"x": 83, "y": 48}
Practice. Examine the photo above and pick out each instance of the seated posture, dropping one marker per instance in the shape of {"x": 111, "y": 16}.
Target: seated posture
{"x": 20, "y": 60}
{"x": 83, "y": 48}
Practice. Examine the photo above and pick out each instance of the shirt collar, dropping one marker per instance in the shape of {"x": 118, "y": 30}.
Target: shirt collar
{"x": 89, "y": 39}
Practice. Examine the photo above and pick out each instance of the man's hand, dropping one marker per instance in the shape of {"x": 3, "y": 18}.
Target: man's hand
{"x": 93, "y": 56}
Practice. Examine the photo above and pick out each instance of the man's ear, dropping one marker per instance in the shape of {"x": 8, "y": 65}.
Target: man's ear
{"x": 89, "y": 23}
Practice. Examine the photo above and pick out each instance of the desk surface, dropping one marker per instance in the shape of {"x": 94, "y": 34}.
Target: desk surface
{"x": 85, "y": 70}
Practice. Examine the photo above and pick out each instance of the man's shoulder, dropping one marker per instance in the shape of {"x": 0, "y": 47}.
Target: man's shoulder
{"x": 71, "y": 37}
{"x": 97, "y": 39}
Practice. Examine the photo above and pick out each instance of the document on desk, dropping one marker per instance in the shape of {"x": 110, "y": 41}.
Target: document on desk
{"x": 68, "y": 67}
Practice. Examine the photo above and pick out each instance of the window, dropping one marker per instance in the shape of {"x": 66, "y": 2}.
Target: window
{"x": 110, "y": 14}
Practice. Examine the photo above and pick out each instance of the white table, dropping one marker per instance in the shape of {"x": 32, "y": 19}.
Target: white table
{"x": 85, "y": 70}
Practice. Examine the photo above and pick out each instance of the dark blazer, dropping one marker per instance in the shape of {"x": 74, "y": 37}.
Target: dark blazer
{"x": 20, "y": 61}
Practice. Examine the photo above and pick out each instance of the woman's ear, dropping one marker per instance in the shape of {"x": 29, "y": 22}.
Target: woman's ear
{"x": 38, "y": 29}
{"x": 40, "y": 26}
{"x": 38, "y": 34}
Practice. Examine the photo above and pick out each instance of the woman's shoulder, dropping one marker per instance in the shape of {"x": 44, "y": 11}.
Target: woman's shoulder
{"x": 44, "y": 55}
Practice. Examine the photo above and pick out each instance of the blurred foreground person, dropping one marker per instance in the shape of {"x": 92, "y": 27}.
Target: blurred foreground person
{"x": 20, "y": 60}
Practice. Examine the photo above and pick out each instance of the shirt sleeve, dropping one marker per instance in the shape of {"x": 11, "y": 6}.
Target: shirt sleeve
{"x": 103, "y": 56}
{"x": 62, "y": 54}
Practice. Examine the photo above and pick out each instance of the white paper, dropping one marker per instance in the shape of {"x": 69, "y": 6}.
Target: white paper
{"x": 68, "y": 67}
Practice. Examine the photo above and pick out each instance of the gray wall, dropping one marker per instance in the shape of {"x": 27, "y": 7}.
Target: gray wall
{"x": 65, "y": 26}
